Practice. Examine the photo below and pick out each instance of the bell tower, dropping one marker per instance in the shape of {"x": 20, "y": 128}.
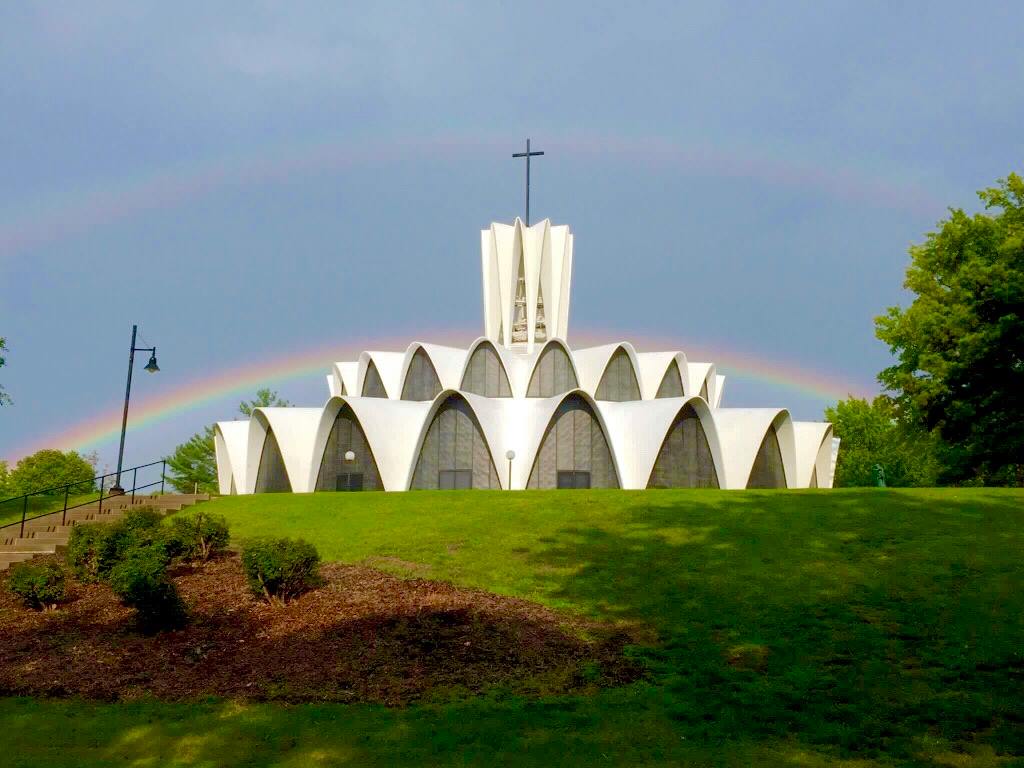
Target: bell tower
{"x": 527, "y": 271}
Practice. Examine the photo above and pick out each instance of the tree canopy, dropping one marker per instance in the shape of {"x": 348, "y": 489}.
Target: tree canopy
{"x": 871, "y": 434}
{"x": 959, "y": 346}
{"x": 50, "y": 468}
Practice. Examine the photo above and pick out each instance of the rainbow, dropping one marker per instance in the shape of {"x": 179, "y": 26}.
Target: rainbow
{"x": 243, "y": 380}
{"x": 82, "y": 210}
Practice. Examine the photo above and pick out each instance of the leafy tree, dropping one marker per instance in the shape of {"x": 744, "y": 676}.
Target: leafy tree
{"x": 194, "y": 462}
{"x": 48, "y": 468}
{"x": 871, "y": 434}
{"x": 265, "y": 398}
{"x": 960, "y": 344}
{"x": 5, "y": 480}
{"x": 4, "y": 398}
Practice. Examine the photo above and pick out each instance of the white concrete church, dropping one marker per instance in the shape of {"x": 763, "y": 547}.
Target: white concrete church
{"x": 520, "y": 408}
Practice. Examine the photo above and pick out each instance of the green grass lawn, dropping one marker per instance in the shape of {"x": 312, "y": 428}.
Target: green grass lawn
{"x": 799, "y": 628}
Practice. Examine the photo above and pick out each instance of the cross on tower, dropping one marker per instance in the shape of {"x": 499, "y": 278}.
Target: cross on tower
{"x": 527, "y": 154}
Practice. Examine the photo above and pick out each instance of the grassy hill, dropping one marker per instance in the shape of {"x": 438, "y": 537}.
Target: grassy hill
{"x": 861, "y": 628}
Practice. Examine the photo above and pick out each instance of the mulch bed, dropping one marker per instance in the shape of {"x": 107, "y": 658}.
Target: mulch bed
{"x": 363, "y": 636}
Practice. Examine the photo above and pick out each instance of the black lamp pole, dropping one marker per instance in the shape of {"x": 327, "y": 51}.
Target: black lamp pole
{"x": 152, "y": 367}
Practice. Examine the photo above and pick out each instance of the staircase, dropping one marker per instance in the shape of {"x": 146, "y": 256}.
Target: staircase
{"x": 46, "y": 535}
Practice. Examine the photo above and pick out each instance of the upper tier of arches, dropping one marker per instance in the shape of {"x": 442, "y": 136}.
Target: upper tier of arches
{"x": 613, "y": 372}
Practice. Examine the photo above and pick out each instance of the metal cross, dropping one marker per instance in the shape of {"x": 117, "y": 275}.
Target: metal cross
{"x": 527, "y": 154}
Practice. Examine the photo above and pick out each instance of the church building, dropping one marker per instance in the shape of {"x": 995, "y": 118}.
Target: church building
{"x": 520, "y": 408}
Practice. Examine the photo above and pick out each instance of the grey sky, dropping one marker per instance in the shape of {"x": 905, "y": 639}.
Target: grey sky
{"x": 249, "y": 180}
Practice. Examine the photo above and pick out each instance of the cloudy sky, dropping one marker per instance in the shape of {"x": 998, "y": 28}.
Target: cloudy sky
{"x": 254, "y": 181}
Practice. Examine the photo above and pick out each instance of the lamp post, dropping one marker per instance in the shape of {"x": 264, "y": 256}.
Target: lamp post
{"x": 510, "y": 454}
{"x": 151, "y": 367}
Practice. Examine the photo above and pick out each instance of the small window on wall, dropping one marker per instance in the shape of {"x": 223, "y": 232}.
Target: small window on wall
{"x": 351, "y": 481}
{"x": 455, "y": 479}
{"x": 573, "y": 479}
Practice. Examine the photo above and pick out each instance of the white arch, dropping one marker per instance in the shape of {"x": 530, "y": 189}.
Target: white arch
{"x": 295, "y": 430}
{"x": 697, "y": 373}
{"x": 741, "y": 431}
{"x": 346, "y": 378}
{"x": 592, "y": 362}
{"x": 809, "y": 436}
{"x": 230, "y": 442}
{"x": 447, "y": 362}
{"x": 637, "y": 429}
{"x": 540, "y": 417}
{"x": 504, "y": 357}
{"x": 389, "y": 368}
{"x": 524, "y": 373}
{"x": 488, "y": 415}
{"x": 653, "y": 368}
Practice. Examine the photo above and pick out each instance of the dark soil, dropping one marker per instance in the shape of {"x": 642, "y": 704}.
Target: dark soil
{"x": 362, "y": 636}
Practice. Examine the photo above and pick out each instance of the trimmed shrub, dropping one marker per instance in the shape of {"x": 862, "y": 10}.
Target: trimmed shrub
{"x": 281, "y": 569}
{"x": 198, "y": 537}
{"x": 39, "y": 585}
{"x": 95, "y": 548}
{"x": 83, "y": 553}
{"x": 140, "y": 580}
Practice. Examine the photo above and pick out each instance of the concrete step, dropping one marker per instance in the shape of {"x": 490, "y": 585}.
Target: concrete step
{"x": 46, "y": 534}
{"x": 7, "y": 559}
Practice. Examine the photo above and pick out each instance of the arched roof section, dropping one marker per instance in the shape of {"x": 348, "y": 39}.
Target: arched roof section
{"x": 536, "y": 362}
{"x": 448, "y": 362}
{"x": 719, "y": 389}
{"x": 808, "y": 439}
{"x": 346, "y": 377}
{"x": 620, "y": 380}
{"x": 504, "y": 357}
{"x": 389, "y": 367}
{"x": 230, "y": 442}
{"x": 295, "y": 430}
{"x": 654, "y": 366}
{"x": 592, "y": 362}
{"x": 488, "y": 415}
{"x": 419, "y": 376}
{"x": 540, "y": 418}
{"x": 697, "y": 374}
{"x": 390, "y": 427}
{"x": 710, "y": 384}
{"x": 741, "y": 431}
{"x": 637, "y": 429}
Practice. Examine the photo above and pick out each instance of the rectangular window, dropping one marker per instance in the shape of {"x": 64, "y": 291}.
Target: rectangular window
{"x": 455, "y": 479}
{"x": 573, "y": 479}
{"x": 350, "y": 481}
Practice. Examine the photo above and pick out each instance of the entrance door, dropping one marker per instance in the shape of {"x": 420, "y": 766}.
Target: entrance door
{"x": 350, "y": 481}
{"x": 455, "y": 479}
{"x": 573, "y": 479}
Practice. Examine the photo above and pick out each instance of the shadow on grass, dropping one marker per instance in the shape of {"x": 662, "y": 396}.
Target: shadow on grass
{"x": 862, "y": 622}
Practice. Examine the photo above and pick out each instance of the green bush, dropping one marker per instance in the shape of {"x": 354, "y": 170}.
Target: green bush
{"x": 198, "y": 537}
{"x": 140, "y": 580}
{"x": 84, "y": 552}
{"x": 40, "y": 585}
{"x": 281, "y": 569}
{"x": 95, "y": 548}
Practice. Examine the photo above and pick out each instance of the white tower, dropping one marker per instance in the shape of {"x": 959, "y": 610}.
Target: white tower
{"x": 527, "y": 271}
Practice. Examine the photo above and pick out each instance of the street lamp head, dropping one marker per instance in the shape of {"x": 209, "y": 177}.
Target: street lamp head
{"x": 151, "y": 366}
{"x": 510, "y": 454}
{"x": 350, "y": 456}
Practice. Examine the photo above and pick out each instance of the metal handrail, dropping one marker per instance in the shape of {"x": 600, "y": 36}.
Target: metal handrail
{"x": 67, "y": 487}
{"x": 43, "y": 491}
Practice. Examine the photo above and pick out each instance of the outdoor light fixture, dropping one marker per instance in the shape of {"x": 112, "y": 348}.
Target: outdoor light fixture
{"x": 350, "y": 456}
{"x": 510, "y": 454}
{"x": 151, "y": 367}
